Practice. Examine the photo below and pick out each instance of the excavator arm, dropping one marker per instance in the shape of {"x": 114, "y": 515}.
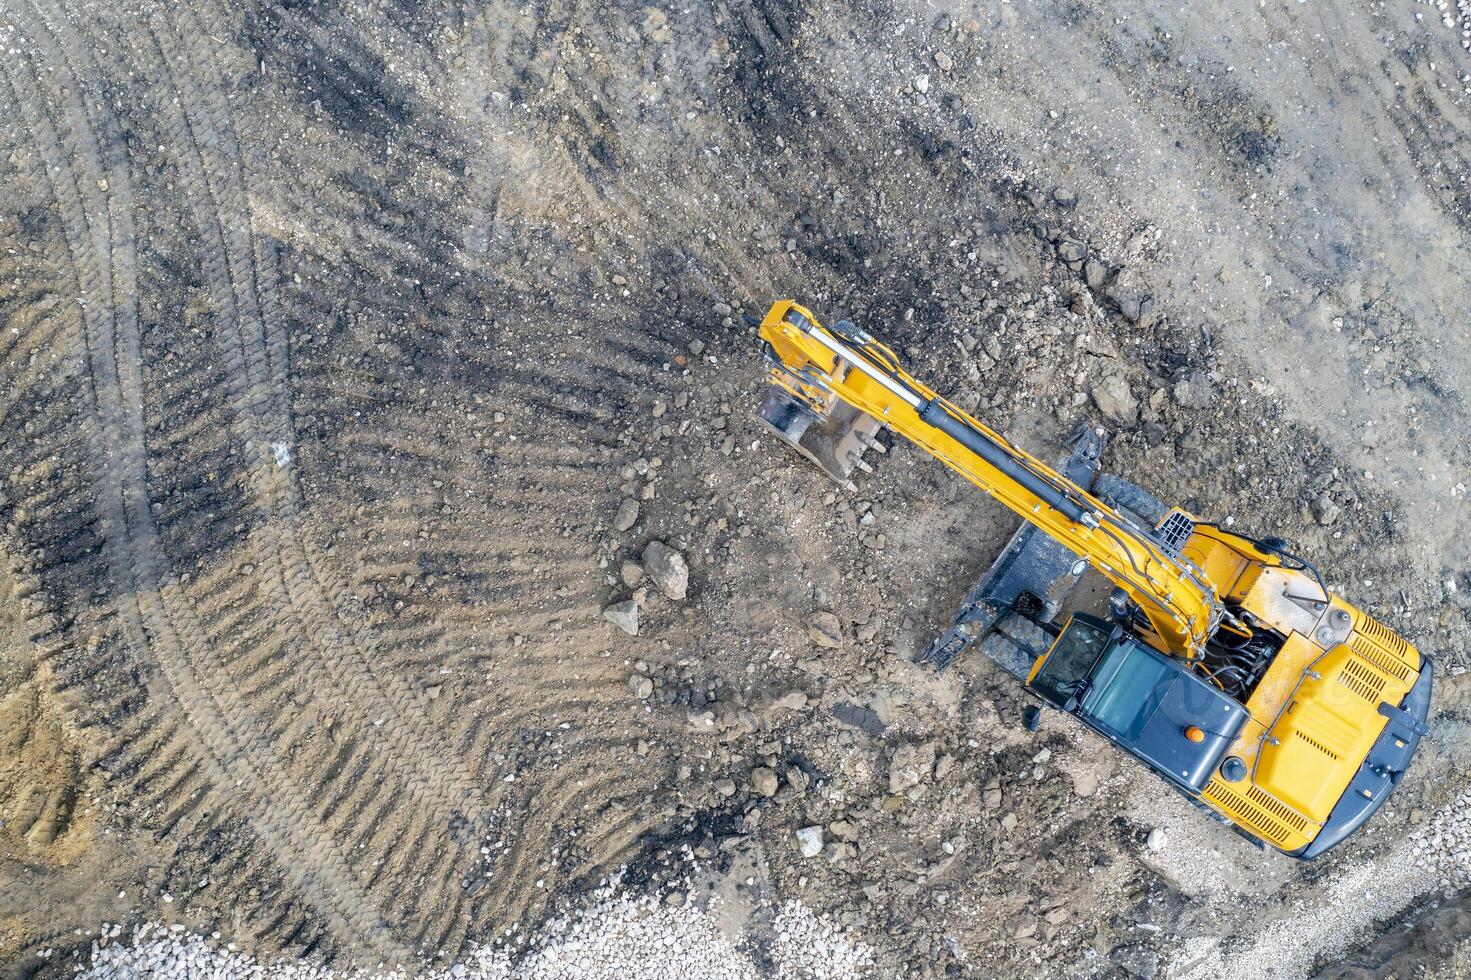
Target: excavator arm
{"x": 831, "y": 370}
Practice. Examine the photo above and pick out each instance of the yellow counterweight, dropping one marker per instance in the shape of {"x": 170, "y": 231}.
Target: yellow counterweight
{"x": 821, "y": 368}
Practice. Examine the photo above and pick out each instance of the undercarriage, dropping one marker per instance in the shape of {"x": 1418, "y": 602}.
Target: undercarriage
{"x": 1013, "y": 612}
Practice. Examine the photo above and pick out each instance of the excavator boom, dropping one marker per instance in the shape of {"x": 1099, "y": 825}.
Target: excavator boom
{"x": 823, "y": 368}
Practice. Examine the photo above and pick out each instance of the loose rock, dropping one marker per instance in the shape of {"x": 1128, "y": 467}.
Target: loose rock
{"x": 623, "y": 615}
{"x": 627, "y": 514}
{"x": 824, "y": 629}
{"x": 764, "y": 781}
{"x": 1115, "y": 400}
{"x": 911, "y": 765}
{"x": 1325, "y": 509}
{"x": 1071, "y": 252}
{"x": 1135, "y": 307}
{"x": 1085, "y": 783}
{"x": 631, "y": 572}
{"x": 1195, "y": 391}
{"x": 809, "y": 841}
{"x": 1132, "y": 298}
{"x": 667, "y": 568}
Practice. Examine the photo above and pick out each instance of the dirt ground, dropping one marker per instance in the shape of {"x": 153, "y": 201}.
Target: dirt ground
{"x": 352, "y": 355}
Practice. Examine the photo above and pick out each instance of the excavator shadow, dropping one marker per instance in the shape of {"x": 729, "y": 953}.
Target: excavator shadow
{"x": 1010, "y": 610}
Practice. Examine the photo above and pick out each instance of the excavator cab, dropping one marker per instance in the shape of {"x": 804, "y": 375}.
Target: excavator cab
{"x": 1152, "y": 706}
{"x": 1062, "y": 675}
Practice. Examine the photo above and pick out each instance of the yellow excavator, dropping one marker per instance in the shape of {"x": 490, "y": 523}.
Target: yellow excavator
{"x": 1221, "y": 661}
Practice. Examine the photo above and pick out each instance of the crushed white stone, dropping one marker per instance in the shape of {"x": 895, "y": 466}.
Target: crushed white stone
{"x": 1436, "y": 858}
{"x": 617, "y": 935}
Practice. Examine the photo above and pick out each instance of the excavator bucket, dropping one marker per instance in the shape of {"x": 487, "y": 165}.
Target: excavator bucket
{"x": 835, "y": 441}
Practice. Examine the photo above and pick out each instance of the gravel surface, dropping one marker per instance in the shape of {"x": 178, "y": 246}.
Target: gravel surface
{"x": 1352, "y": 906}
{"x": 618, "y": 936}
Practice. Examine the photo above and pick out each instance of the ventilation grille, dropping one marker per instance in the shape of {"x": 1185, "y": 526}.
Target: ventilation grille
{"x": 1260, "y": 811}
{"x": 1382, "y": 635}
{"x": 1174, "y": 532}
{"x": 1243, "y": 812}
{"x": 1318, "y": 745}
{"x": 1367, "y": 646}
{"x": 1277, "y": 808}
{"x": 1363, "y": 680}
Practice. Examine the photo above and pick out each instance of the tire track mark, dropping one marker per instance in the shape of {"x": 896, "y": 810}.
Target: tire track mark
{"x": 154, "y": 616}
{"x": 413, "y": 416}
{"x": 245, "y": 295}
{"x": 522, "y": 892}
{"x": 435, "y": 780}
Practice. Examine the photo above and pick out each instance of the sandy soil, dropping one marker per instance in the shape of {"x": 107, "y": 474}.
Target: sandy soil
{"x": 352, "y": 355}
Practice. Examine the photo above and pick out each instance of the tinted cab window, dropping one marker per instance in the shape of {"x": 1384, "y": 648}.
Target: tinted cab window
{"x": 1130, "y": 684}
{"x": 1073, "y": 654}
